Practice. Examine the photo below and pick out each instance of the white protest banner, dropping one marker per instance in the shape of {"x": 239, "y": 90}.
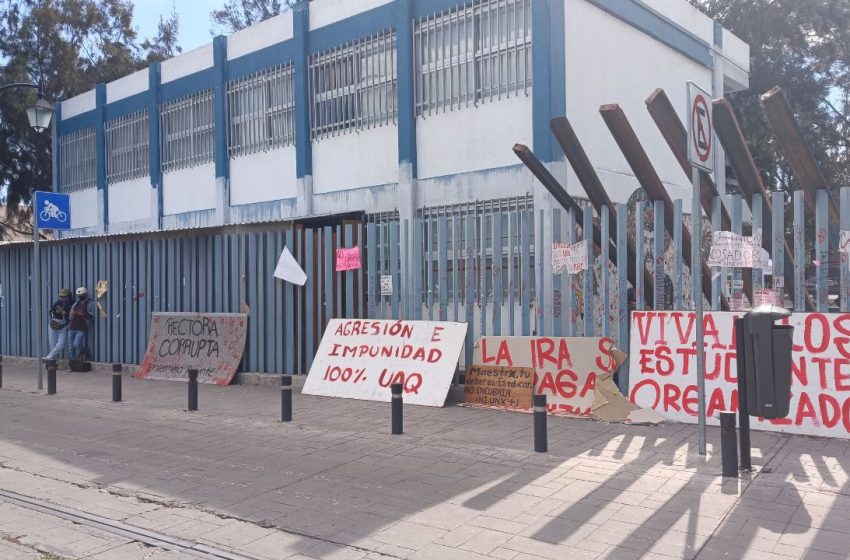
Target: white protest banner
{"x": 386, "y": 285}
{"x": 569, "y": 257}
{"x": 212, "y": 343}
{"x": 288, "y": 269}
{"x": 361, "y": 358}
{"x": 662, "y": 369}
{"x": 732, "y": 250}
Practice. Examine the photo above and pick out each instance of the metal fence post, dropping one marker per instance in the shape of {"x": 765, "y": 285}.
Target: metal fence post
{"x": 116, "y": 382}
{"x": 286, "y": 397}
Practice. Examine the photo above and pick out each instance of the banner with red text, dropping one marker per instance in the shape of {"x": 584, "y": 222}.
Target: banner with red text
{"x": 361, "y": 358}
{"x": 662, "y": 369}
{"x": 212, "y": 343}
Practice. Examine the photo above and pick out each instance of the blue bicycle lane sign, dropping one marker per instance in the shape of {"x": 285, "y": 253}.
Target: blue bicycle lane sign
{"x": 52, "y": 210}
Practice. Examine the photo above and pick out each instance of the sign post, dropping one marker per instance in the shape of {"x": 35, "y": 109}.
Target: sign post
{"x": 50, "y": 211}
{"x": 700, "y": 140}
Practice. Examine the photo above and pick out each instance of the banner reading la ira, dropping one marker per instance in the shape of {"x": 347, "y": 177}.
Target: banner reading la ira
{"x": 212, "y": 343}
{"x": 361, "y": 358}
{"x": 662, "y": 369}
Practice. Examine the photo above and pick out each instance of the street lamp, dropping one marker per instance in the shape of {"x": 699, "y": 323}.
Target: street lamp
{"x": 39, "y": 114}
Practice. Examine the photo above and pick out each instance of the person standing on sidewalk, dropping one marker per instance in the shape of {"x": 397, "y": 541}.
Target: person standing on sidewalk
{"x": 57, "y": 324}
{"x": 81, "y": 322}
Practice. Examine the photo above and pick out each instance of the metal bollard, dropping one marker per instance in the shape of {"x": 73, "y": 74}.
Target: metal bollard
{"x": 1, "y": 372}
{"x": 193, "y": 390}
{"x": 116, "y": 382}
{"x": 286, "y": 397}
{"x": 541, "y": 443}
{"x": 728, "y": 444}
{"x": 397, "y": 409}
{"x": 743, "y": 412}
{"x": 51, "y": 378}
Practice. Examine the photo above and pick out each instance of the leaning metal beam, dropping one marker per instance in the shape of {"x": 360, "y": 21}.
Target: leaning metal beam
{"x": 740, "y": 158}
{"x": 648, "y": 178}
{"x": 572, "y": 148}
{"x": 799, "y": 155}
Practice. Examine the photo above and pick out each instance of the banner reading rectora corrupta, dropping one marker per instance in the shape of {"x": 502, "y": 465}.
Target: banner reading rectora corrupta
{"x": 662, "y": 369}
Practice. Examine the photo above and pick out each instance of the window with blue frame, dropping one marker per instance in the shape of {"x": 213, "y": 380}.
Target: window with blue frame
{"x": 354, "y": 86}
{"x": 187, "y": 126}
{"x": 477, "y": 53}
{"x": 78, "y": 164}
{"x": 261, "y": 109}
{"x": 128, "y": 147}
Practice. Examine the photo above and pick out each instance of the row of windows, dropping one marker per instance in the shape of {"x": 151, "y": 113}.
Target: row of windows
{"x": 477, "y": 53}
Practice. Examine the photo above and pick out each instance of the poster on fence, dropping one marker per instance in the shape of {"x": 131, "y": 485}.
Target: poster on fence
{"x": 498, "y": 387}
{"x": 347, "y": 258}
{"x": 575, "y": 373}
{"x": 212, "y": 343}
{"x": 732, "y": 250}
{"x": 662, "y": 372}
{"x": 571, "y": 258}
{"x": 361, "y": 358}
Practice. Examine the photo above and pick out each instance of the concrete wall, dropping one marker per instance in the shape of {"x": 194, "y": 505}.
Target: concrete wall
{"x": 130, "y": 200}
{"x": 256, "y": 37}
{"x": 84, "y": 208}
{"x": 187, "y": 63}
{"x": 355, "y": 160}
{"x": 263, "y": 176}
{"x": 326, "y": 12}
{"x": 77, "y": 105}
{"x": 189, "y": 189}
{"x": 136, "y": 82}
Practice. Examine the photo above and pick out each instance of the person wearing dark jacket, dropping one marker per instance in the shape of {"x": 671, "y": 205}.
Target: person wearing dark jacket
{"x": 80, "y": 323}
{"x": 57, "y": 324}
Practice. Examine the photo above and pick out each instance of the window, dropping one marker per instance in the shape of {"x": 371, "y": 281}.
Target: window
{"x": 78, "y": 161}
{"x": 354, "y": 86}
{"x": 262, "y": 111}
{"x": 188, "y": 131}
{"x": 127, "y": 147}
{"x": 477, "y": 53}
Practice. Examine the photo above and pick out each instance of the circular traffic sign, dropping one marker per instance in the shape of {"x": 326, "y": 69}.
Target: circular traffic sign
{"x": 701, "y": 128}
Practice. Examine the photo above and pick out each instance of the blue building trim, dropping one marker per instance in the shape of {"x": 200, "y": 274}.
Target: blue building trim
{"x": 58, "y": 127}
{"x": 718, "y": 34}
{"x": 263, "y": 59}
{"x": 405, "y": 81}
{"x": 222, "y": 159}
{"x": 642, "y": 17}
{"x": 100, "y": 146}
{"x": 355, "y": 27}
{"x": 549, "y": 96}
{"x": 430, "y": 7}
{"x": 136, "y": 102}
{"x": 154, "y": 84}
{"x": 187, "y": 85}
{"x": 303, "y": 144}
{"x": 79, "y": 122}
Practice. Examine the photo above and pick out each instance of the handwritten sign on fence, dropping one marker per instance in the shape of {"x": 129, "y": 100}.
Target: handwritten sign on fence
{"x": 347, "y": 258}
{"x": 499, "y": 386}
{"x": 212, "y": 343}
{"x": 662, "y": 369}
{"x": 569, "y": 257}
{"x": 732, "y": 250}
{"x": 361, "y": 358}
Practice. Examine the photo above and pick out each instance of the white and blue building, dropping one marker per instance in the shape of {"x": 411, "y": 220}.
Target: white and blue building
{"x": 397, "y": 114}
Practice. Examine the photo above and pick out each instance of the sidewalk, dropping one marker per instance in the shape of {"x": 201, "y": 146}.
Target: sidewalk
{"x": 461, "y": 483}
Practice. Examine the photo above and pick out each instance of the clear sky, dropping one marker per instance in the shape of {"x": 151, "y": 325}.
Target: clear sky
{"x": 194, "y": 19}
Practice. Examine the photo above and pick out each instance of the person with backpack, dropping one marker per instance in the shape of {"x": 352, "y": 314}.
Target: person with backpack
{"x": 80, "y": 323}
{"x": 57, "y": 324}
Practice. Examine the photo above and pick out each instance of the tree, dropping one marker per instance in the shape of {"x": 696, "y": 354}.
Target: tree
{"x": 804, "y": 47}
{"x": 239, "y": 14}
{"x": 69, "y": 46}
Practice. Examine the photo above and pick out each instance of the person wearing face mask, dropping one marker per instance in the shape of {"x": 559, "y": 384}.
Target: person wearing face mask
{"x": 81, "y": 322}
{"x": 57, "y": 325}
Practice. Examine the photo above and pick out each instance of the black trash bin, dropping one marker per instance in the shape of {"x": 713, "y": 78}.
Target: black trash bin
{"x": 767, "y": 361}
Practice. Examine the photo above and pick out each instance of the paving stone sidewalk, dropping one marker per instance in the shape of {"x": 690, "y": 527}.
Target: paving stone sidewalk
{"x": 460, "y": 483}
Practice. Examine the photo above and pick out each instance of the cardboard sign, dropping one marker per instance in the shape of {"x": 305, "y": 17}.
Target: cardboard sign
{"x": 347, "y": 258}
{"x": 499, "y": 386}
{"x": 575, "y": 374}
{"x": 212, "y": 343}
{"x": 735, "y": 251}
{"x": 662, "y": 372}
{"x": 569, "y": 257}
{"x": 361, "y": 358}
{"x": 386, "y": 285}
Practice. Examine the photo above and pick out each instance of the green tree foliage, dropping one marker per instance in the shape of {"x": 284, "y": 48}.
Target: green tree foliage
{"x": 69, "y": 46}
{"x": 804, "y": 47}
{"x": 239, "y": 14}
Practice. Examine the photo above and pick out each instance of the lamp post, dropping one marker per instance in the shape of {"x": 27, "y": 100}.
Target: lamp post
{"x": 39, "y": 116}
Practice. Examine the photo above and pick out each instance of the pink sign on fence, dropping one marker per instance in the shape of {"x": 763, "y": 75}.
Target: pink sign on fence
{"x": 347, "y": 258}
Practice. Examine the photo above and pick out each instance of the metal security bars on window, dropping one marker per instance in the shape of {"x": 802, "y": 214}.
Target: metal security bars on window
{"x": 188, "y": 131}
{"x": 261, "y": 108}
{"x": 354, "y": 86}
{"x": 479, "y": 52}
{"x": 79, "y": 160}
{"x": 127, "y": 147}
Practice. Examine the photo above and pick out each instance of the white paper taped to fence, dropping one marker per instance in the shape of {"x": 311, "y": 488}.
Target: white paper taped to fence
{"x": 287, "y": 269}
{"x": 844, "y": 241}
{"x": 361, "y": 358}
{"x": 571, "y": 258}
{"x": 386, "y": 285}
{"x": 732, "y": 250}
{"x": 766, "y": 296}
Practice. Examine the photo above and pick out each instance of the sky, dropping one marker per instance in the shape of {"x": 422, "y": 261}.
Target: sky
{"x": 194, "y": 19}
